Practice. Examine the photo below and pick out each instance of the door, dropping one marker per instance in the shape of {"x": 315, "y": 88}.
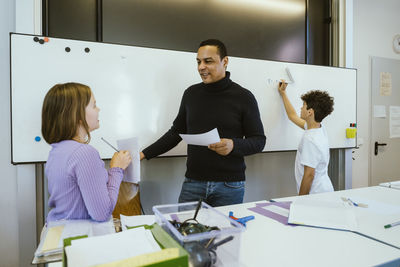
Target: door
{"x": 385, "y": 120}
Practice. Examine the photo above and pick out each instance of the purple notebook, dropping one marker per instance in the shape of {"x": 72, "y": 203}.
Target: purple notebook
{"x": 260, "y": 208}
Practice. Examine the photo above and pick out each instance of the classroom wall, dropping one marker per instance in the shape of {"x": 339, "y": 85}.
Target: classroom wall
{"x": 8, "y": 178}
{"x": 374, "y": 25}
{"x": 17, "y": 191}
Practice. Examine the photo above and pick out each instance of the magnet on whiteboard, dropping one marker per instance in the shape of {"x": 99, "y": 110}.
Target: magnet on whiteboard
{"x": 37, "y": 138}
{"x": 351, "y": 133}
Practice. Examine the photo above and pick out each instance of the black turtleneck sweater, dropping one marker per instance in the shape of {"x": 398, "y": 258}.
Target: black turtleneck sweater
{"x": 231, "y": 109}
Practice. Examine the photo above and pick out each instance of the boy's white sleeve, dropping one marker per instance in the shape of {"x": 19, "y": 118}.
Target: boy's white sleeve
{"x": 310, "y": 155}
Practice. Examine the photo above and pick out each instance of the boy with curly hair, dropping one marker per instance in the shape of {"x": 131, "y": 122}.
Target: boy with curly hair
{"x": 312, "y": 158}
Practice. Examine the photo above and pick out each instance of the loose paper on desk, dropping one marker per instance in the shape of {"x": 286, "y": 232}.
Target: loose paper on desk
{"x": 379, "y": 208}
{"x": 394, "y": 121}
{"x": 132, "y": 221}
{"x": 109, "y": 248}
{"x": 132, "y": 173}
{"x": 394, "y": 184}
{"x": 53, "y": 234}
{"x": 325, "y": 214}
{"x": 203, "y": 139}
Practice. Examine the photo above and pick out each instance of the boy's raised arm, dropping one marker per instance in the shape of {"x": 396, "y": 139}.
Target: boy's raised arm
{"x": 290, "y": 111}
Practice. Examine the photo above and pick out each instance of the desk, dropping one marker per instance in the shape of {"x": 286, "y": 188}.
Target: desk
{"x": 268, "y": 242}
{"x": 393, "y": 185}
{"x": 74, "y": 228}
{"x": 382, "y": 202}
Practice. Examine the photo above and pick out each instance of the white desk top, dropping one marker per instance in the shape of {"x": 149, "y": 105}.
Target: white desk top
{"x": 383, "y": 208}
{"x": 269, "y": 242}
{"x": 393, "y": 185}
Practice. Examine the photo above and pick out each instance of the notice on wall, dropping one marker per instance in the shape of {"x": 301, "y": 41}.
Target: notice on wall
{"x": 385, "y": 84}
{"x": 394, "y": 121}
{"x": 379, "y": 111}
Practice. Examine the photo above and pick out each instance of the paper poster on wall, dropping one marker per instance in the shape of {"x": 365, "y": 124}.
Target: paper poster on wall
{"x": 385, "y": 84}
{"x": 379, "y": 111}
{"x": 394, "y": 121}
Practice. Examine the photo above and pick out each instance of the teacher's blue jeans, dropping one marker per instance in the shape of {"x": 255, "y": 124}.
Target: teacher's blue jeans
{"x": 213, "y": 193}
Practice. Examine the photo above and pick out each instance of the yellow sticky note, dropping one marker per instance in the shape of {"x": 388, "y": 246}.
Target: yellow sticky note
{"x": 52, "y": 239}
{"x": 145, "y": 259}
{"x": 351, "y": 132}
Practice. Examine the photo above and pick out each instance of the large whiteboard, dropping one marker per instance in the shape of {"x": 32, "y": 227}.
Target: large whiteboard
{"x": 139, "y": 90}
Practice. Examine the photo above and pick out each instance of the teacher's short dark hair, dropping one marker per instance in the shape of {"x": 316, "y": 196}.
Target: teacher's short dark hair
{"x": 220, "y": 46}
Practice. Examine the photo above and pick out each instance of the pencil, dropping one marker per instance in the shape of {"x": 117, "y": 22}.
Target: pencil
{"x": 109, "y": 144}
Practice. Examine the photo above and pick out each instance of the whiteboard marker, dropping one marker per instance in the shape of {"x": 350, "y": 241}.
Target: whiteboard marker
{"x": 392, "y": 224}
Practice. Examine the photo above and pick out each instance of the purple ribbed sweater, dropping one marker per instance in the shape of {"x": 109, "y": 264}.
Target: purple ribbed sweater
{"x": 79, "y": 185}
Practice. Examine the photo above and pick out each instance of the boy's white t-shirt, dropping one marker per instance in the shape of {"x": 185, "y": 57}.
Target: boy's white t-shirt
{"x": 313, "y": 152}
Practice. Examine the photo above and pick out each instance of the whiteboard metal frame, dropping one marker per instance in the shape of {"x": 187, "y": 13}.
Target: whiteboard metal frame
{"x": 235, "y": 72}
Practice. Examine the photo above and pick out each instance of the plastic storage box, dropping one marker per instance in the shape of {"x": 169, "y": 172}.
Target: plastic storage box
{"x": 215, "y": 248}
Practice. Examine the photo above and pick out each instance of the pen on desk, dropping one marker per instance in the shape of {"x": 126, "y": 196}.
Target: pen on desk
{"x": 361, "y": 205}
{"x": 351, "y": 202}
{"x": 392, "y": 224}
{"x": 109, "y": 144}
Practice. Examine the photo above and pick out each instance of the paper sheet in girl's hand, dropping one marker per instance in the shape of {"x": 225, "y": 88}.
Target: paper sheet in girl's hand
{"x": 132, "y": 173}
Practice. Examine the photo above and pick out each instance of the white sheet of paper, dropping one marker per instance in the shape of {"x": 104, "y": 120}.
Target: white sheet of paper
{"x": 379, "y": 111}
{"x": 132, "y": 173}
{"x": 278, "y": 210}
{"x": 203, "y": 139}
{"x": 109, "y": 248}
{"x": 136, "y": 220}
{"x": 395, "y": 184}
{"x": 325, "y": 214}
{"x": 74, "y": 228}
{"x": 394, "y": 121}
{"x": 377, "y": 207}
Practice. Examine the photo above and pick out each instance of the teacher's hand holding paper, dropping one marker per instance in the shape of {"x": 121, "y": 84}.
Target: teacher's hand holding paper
{"x": 203, "y": 139}
{"x": 224, "y": 147}
{"x": 210, "y": 139}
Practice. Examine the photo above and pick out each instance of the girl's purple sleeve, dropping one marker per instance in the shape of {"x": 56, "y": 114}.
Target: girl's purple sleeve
{"x": 99, "y": 187}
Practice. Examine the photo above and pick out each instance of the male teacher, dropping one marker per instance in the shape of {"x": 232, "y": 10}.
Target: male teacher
{"x": 215, "y": 173}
